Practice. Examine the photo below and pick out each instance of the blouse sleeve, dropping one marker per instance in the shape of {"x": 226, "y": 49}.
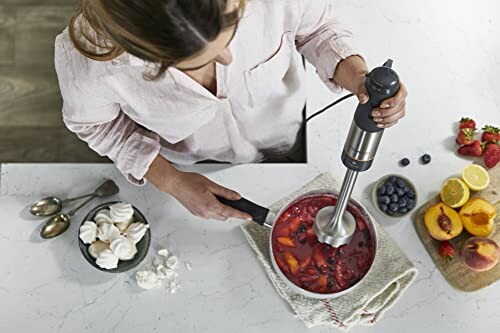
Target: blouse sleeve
{"x": 101, "y": 123}
{"x": 323, "y": 40}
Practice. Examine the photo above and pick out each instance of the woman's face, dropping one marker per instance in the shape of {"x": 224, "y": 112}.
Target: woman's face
{"x": 216, "y": 50}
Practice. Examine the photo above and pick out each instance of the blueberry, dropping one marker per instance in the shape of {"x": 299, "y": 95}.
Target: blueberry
{"x": 403, "y": 210}
{"x": 410, "y": 204}
{"x": 404, "y": 162}
{"x": 403, "y": 202}
{"x": 389, "y": 189}
{"x": 390, "y": 212}
{"x": 383, "y": 207}
{"x": 411, "y": 194}
{"x": 425, "y": 159}
{"x": 406, "y": 189}
{"x": 392, "y": 179}
{"x": 393, "y": 207}
{"x": 387, "y": 199}
{"x": 381, "y": 190}
{"x": 400, "y": 183}
{"x": 400, "y": 192}
{"x": 394, "y": 198}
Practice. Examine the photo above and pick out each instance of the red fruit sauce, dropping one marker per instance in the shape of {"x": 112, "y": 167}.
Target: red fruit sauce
{"x": 311, "y": 265}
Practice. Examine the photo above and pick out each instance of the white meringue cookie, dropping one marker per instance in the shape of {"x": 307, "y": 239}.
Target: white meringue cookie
{"x": 88, "y": 232}
{"x": 172, "y": 262}
{"x": 97, "y": 247}
{"x": 123, "y": 226}
{"x": 107, "y": 260}
{"x": 107, "y": 232}
{"x": 136, "y": 231}
{"x": 123, "y": 248}
{"x": 163, "y": 253}
{"x": 165, "y": 273}
{"x": 121, "y": 212}
{"x": 147, "y": 280}
{"x": 103, "y": 216}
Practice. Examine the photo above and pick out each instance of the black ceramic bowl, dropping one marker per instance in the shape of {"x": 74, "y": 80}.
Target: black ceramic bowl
{"x": 123, "y": 266}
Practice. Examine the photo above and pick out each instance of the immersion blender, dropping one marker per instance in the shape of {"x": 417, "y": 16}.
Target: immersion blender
{"x": 335, "y": 225}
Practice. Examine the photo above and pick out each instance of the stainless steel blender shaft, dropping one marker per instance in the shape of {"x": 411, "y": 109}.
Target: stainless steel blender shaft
{"x": 344, "y": 196}
{"x": 333, "y": 224}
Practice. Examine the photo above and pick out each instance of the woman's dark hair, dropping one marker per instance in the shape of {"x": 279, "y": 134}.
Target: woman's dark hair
{"x": 163, "y": 32}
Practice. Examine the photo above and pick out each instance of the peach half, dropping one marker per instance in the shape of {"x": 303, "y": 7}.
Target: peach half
{"x": 480, "y": 254}
{"x": 443, "y": 222}
{"x": 478, "y": 217}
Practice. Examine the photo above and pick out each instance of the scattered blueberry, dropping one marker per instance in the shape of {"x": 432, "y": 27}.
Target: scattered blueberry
{"x": 394, "y": 198}
{"x": 426, "y": 159}
{"x": 393, "y": 207}
{"x": 384, "y": 208}
{"x": 404, "y": 162}
{"x": 389, "y": 190}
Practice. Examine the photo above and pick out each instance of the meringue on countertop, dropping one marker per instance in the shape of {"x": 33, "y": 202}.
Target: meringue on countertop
{"x": 136, "y": 231}
{"x": 123, "y": 248}
{"x": 172, "y": 262}
{"x": 107, "y": 259}
{"x": 147, "y": 280}
{"x": 88, "y": 232}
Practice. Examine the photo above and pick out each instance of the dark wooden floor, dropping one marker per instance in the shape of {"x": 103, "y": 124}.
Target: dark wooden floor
{"x": 31, "y": 127}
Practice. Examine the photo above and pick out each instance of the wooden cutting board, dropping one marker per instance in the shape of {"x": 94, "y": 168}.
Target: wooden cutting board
{"x": 457, "y": 274}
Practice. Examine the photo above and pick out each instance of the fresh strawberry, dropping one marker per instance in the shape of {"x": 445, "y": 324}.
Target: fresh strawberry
{"x": 446, "y": 251}
{"x": 491, "y": 155}
{"x": 466, "y": 136}
{"x": 474, "y": 149}
{"x": 467, "y": 123}
{"x": 490, "y": 134}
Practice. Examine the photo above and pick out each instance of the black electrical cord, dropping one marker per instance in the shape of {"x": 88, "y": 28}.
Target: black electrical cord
{"x": 328, "y": 107}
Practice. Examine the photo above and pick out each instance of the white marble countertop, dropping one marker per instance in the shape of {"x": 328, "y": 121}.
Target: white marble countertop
{"x": 448, "y": 54}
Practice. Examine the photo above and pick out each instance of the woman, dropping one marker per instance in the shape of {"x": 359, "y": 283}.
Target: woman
{"x": 149, "y": 83}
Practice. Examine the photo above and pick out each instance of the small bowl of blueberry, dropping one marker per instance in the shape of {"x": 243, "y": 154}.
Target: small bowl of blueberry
{"x": 394, "y": 196}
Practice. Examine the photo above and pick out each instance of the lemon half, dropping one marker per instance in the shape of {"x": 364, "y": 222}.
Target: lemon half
{"x": 476, "y": 177}
{"x": 455, "y": 193}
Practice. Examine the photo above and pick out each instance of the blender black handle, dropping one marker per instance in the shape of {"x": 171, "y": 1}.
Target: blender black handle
{"x": 382, "y": 83}
{"x": 258, "y": 213}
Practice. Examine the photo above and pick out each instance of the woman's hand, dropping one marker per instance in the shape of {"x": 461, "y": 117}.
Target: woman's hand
{"x": 197, "y": 194}
{"x": 351, "y": 75}
{"x": 194, "y": 191}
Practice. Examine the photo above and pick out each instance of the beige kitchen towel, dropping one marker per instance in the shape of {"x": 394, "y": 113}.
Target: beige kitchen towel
{"x": 391, "y": 274}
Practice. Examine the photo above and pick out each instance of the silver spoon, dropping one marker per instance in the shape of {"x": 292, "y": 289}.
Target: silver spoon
{"x": 60, "y": 223}
{"x": 53, "y": 205}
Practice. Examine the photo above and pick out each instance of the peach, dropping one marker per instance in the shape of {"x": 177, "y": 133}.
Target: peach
{"x": 292, "y": 262}
{"x": 480, "y": 254}
{"x": 478, "y": 217}
{"x": 442, "y": 222}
